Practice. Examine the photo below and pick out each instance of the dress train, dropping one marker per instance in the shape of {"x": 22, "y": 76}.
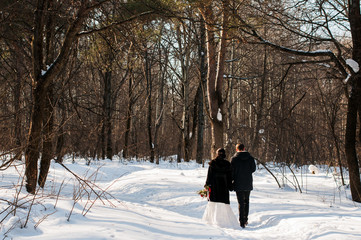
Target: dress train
{"x": 220, "y": 214}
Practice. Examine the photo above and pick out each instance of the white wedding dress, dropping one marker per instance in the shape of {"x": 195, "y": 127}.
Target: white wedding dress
{"x": 220, "y": 214}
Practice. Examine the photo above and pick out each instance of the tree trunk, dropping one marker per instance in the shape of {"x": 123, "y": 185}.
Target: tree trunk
{"x": 127, "y": 131}
{"x": 147, "y": 72}
{"x": 32, "y": 151}
{"x": 108, "y": 114}
{"x": 200, "y": 95}
{"x": 200, "y": 124}
{"x": 338, "y": 153}
{"x": 47, "y": 153}
{"x": 179, "y": 148}
{"x": 160, "y": 101}
{"x": 129, "y": 116}
{"x": 39, "y": 95}
{"x": 105, "y": 134}
{"x": 48, "y": 117}
{"x": 350, "y": 146}
{"x": 102, "y": 139}
{"x": 61, "y": 132}
{"x": 229, "y": 125}
{"x": 259, "y": 113}
{"x": 130, "y": 102}
{"x": 353, "y": 104}
{"x": 215, "y": 71}
{"x": 17, "y": 99}
{"x": 41, "y": 81}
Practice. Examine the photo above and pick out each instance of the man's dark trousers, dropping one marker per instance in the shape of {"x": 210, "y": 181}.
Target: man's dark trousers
{"x": 243, "y": 205}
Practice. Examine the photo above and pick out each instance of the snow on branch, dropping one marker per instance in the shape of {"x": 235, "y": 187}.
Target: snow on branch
{"x": 353, "y": 64}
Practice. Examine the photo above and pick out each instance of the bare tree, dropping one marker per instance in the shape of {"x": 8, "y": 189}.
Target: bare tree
{"x": 216, "y": 63}
{"x": 200, "y": 93}
{"x": 317, "y": 27}
{"x": 354, "y": 106}
{"x": 44, "y": 75}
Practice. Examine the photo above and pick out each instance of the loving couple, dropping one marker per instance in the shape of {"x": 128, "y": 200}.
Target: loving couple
{"x": 224, "y": 176}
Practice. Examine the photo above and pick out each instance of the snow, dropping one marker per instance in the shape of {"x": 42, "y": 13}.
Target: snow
{"x": 324, "y": 65}
{"x": 219, "y": 115}
{"x": 313, "y": 169}
{"x": 353, "y": 64}
{"x": 43, "y": 72}
{"x": 160, "y": 202}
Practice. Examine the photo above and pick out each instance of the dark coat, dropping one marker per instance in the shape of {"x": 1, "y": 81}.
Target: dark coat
{"x": 219, "y": 179}
{"x": 243, "y": 166}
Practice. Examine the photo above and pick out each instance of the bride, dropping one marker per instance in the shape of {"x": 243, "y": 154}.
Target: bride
{"x": 219, "y": 180}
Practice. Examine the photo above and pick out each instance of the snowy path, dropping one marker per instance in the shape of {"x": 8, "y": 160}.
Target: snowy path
{"x": 160, "y": 203}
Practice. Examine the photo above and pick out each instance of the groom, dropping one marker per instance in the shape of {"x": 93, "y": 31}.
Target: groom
{"x": 243, "y": 166}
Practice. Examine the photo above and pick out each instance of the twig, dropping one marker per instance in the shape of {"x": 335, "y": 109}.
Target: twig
{"x": 102, "y": 194}
{"x": 43, "y": 218}
{"x": 285, "y": 177}
{"x": 80, "y": 180}
{"x": 294, "y": 176}
{"x": 30, "y": 207}
{"x": 57, "y": 196}
{"x": 264, "y": 165}
{"x": 11, "y": 211}
{"x": 76, "y": 195}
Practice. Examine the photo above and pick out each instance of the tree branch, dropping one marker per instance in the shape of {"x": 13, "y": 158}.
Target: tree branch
{"x": 340, "y": 63}
{"x": 102, "y": 29}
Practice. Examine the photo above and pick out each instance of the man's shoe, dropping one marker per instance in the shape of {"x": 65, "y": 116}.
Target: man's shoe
{"x": 243, "y": 225}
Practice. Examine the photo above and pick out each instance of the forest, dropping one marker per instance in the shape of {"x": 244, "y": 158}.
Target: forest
{"x": 177, "y": 79}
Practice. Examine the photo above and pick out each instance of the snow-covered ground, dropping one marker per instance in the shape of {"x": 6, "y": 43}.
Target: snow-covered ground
{"x": 140, "y": 200}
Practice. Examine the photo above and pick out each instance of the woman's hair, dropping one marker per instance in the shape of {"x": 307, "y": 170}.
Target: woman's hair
{"x": 221, "y": 152}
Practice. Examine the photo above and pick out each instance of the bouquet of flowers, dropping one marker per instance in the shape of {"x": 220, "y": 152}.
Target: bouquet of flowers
{"x": 205, "y": 191}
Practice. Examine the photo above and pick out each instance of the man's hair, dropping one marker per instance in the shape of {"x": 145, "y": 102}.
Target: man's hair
{"x": 240, "y": 146}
